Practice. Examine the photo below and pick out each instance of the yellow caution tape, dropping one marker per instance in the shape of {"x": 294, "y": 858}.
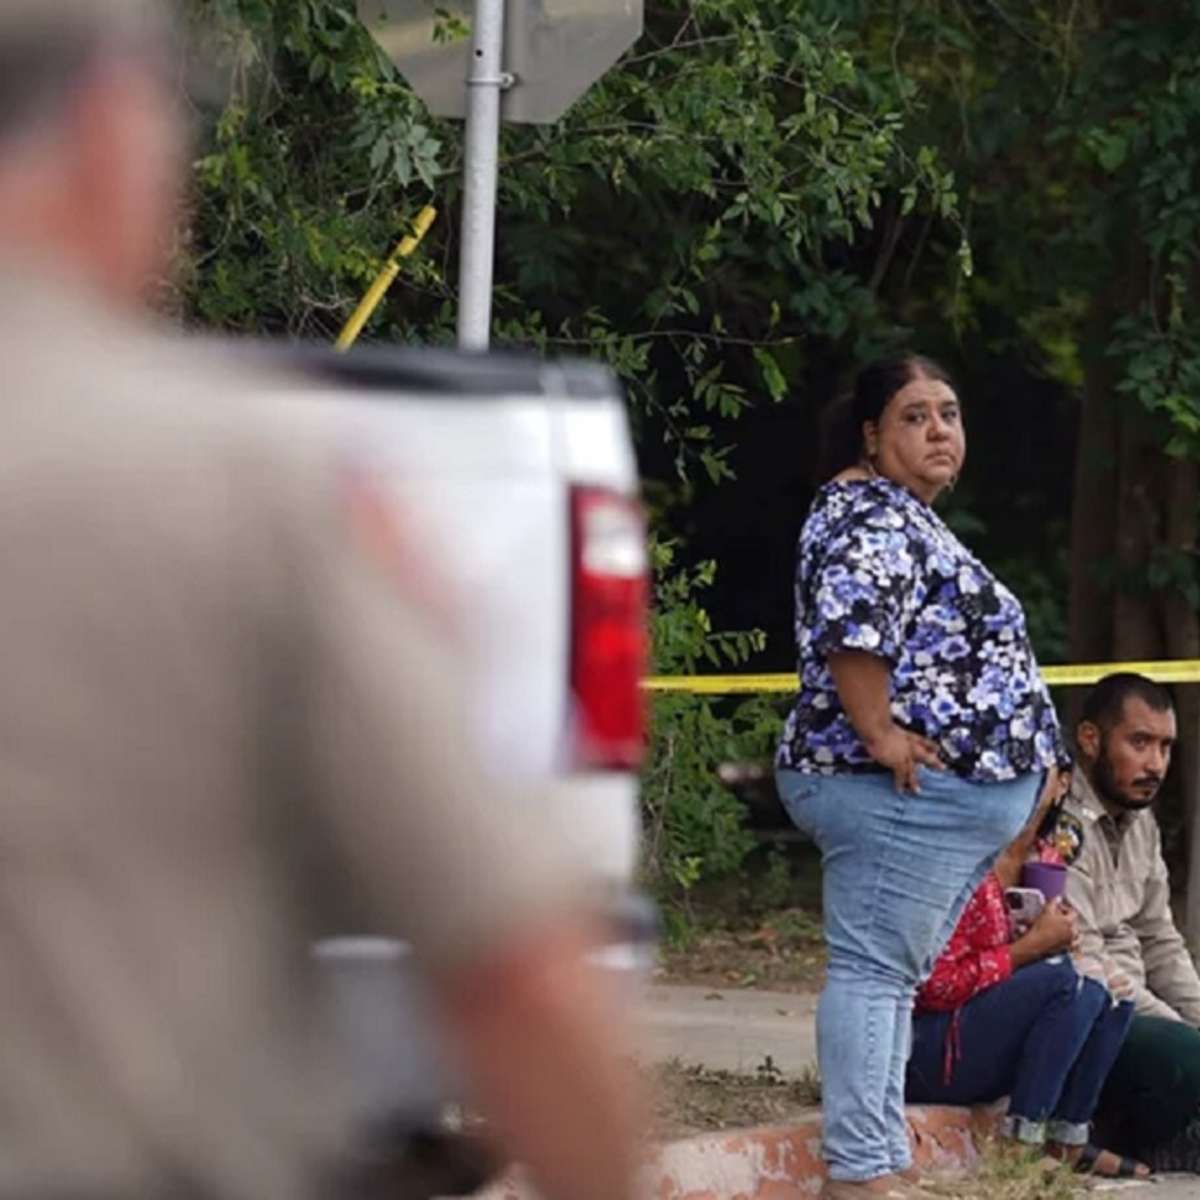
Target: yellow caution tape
{"x": 384, "y": 280}
{"x": 1184, "y": 670}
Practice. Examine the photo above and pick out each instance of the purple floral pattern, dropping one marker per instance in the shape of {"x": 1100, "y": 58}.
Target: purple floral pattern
{"x": 878, "y": 570}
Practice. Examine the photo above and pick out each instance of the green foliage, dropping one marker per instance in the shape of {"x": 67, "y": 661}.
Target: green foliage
{"x": 695, "y": 826}
{"x": 308, "y": 175}
{"x": 688, "y": 221}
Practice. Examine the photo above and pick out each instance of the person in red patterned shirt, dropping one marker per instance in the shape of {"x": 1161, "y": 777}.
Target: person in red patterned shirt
{"x": 1010, "y": 1015}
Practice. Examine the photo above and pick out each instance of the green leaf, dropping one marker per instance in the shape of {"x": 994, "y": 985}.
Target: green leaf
{"x": 772, "y": 376}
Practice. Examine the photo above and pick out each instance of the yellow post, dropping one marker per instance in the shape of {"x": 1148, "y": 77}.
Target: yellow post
{"x": 375, "y": 294}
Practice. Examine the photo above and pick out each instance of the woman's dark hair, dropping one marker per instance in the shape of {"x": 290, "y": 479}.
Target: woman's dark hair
{"x": 874, "y": 386}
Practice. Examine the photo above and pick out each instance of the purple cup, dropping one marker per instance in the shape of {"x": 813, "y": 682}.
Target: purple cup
{"x": 1049, "y": 878}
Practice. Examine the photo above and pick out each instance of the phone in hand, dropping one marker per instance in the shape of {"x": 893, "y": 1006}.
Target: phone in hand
{"x": 1024, "y": 906}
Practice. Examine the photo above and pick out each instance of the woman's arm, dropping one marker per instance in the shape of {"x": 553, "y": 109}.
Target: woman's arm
{"x": 863, "y": 683}
{"x": 1014, "y": 856}
{"x": 977, "y": 956}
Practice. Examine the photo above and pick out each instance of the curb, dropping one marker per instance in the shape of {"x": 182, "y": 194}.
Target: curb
{"x": 779, "y": 1163}
{"x": 773, "y": 1164}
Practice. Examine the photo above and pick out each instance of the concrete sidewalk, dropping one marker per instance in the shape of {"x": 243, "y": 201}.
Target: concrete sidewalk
{"x": 728, "y": 1029}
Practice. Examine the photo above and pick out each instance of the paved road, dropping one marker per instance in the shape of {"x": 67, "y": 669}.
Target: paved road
{"x": 735, "y": 1029}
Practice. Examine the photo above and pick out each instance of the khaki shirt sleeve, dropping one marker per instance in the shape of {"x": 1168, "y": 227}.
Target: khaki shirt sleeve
{"x": 444, "y": 853}
{"x": 1170, "y": 972}
{"x": 1092, "y": 958}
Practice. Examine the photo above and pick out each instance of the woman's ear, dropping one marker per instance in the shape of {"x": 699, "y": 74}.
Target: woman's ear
{"x": 870, "y": 438}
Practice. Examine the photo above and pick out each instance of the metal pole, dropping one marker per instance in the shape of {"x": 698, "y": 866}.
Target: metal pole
{"x": 485, "y": 82}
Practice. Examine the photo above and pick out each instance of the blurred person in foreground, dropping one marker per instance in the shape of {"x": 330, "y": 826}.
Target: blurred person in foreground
{"x": 227, "y": 726}
{"x": 1119, "y": 887}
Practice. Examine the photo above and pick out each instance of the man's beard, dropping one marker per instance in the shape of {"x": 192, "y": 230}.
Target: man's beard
{"x": 1106, "y": 785}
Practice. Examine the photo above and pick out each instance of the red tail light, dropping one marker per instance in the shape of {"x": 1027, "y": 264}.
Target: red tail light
{"x": 608, "y": 638}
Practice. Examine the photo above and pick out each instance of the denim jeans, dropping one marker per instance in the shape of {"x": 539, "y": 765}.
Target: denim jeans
{"x": 1046, "y": 1037}
{"x": 898, "y": 869}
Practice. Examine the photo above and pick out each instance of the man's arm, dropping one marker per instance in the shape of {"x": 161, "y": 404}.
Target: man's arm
{"x": 1170, "y": 972}
{"x": 1092, "y": 956}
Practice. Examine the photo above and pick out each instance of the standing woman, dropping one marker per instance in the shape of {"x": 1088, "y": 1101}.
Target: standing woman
{"x": 914, "y": 751}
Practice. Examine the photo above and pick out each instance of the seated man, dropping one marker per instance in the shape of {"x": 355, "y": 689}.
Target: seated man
{"x": 1119, "y": 889}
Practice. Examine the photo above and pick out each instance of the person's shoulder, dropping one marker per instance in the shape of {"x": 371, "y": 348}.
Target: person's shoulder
{"x": 869, "y": 503}
{"x": 1075, "y": 835}
{"x": 1080, "y": 804}
{"x": 213, "y": 404}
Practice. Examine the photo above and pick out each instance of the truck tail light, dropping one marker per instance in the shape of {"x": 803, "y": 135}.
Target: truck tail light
{"x": 609, "y": 634}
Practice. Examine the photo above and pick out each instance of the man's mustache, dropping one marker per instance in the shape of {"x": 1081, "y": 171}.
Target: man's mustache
{"x": 1148, "y": 781}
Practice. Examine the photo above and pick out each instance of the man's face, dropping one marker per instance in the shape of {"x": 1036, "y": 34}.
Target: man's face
{"x": 1129, "y": 761}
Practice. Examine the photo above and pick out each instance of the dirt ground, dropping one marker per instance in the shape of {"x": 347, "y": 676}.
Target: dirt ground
{"x": 782, "y": 951}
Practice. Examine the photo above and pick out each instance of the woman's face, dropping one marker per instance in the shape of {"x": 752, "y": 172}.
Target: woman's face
{"x": 918, "y": 440}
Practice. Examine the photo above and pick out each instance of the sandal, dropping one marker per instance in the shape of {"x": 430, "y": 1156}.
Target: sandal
{"x": 1088, "y": 1163}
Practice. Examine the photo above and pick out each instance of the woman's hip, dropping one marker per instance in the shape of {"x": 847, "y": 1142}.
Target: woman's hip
{"x": 949, "y": 815}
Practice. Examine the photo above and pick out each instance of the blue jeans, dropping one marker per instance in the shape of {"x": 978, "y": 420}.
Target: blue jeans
{"x": 898, "y": 869}
{"x": 1046, "y": 1037}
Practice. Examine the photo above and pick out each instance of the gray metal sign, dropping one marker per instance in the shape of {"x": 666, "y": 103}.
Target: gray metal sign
{"x": 554, "y": 50}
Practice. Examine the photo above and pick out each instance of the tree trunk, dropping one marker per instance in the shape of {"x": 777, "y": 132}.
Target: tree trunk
{"x": 1136, "y": 630}
{"x": 1182, "y": 624}
{"x": 1093, "y": 519}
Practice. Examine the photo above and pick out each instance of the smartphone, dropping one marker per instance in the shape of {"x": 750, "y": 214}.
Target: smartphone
{"x": 1024, "y": 905}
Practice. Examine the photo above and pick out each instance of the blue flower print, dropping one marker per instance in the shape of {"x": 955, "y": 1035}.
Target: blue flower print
{"x": 878, "y": 571}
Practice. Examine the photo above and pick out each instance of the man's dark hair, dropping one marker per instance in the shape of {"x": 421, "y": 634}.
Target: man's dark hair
{"x": 1105, "y": 703}
{"x": 874, "y": 386}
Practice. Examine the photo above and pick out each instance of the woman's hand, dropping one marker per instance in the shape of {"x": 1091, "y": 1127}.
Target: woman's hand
{"x": 1054, "y": 932}
{"x": 902, "y": 752}
{"x": 864, "y": 684}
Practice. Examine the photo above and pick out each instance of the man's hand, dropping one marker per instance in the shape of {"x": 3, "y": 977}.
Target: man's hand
{"x": 902, "y": 752}
{"x": 1052, "y": 933}
{"x": 1120, "y": 985}
{"x": 545, "y": 1039}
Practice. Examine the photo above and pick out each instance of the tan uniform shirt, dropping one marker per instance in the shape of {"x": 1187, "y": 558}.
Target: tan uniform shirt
{"x": 225, "y": 730}
{"x": 1118, "y": 885}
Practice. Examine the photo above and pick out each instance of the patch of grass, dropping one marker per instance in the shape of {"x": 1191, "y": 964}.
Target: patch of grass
{"x": 690, "y": 1099}
{"x": 1008, "y": 1172}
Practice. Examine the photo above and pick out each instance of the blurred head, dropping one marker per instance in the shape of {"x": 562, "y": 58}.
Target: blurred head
{"x": 902, "y": 420}
{"x": 1125, "y": 739}
{"x": 90, "y": 140}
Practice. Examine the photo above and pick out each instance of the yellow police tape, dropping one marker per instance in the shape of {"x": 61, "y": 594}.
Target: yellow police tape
{"x": 1184, "y": 670}
{"x": 384, "y": 280}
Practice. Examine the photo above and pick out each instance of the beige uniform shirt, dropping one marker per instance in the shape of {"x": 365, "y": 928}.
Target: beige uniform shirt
{"x": 1118, "y": 885}
{"x": 226, "y": 728}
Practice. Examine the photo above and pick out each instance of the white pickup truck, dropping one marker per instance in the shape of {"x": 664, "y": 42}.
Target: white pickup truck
{"x": 521, "y": 474}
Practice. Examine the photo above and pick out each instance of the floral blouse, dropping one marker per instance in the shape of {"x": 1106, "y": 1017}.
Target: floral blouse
{"x": 878, "y": 570}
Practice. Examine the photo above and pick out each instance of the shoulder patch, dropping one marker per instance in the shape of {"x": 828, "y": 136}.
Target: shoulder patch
{"x": 1067, "y": 836}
